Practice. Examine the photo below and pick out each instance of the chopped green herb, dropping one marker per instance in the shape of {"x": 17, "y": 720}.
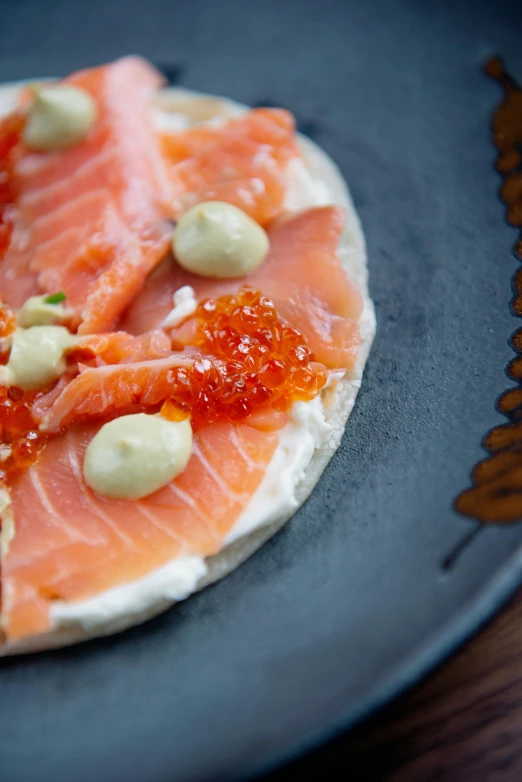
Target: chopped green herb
{"x": 55, "y": 298}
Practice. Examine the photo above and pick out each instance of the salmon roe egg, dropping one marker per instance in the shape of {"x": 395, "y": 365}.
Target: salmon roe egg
{"x": 174, "y": 411}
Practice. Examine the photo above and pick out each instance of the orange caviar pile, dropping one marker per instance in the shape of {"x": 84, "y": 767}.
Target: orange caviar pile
{"x": 256, "y": 361}
{"x": 20, "y": 438}
{"x": 10, "y": 129}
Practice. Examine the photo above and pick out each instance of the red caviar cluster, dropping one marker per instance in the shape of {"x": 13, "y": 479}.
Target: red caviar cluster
{"x": 10, "y": 129}
{"x": 260, "y": 361}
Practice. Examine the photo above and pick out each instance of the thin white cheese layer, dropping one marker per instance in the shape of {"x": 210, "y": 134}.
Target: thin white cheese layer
{"x": 173, "y": 581}
{"x": 302, "y": 192}
{"x": 185, "y": 304}
{"x": 275, "y": 498}
{"x": 305, "y": 431}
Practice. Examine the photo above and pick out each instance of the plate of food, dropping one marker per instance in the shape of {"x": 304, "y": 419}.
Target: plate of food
{"x": 230, "y": 527}
{"x": 185, "y": 409}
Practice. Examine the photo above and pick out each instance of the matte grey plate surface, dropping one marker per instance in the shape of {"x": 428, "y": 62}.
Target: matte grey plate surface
{"x": 349, "y": 602}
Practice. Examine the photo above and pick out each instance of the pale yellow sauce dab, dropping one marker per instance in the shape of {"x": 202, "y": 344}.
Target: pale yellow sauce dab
{"x": 59, "y": 116}
{"x": 36, "y": 311}
{"x": 216, "y": 239}
{"x": 37, "y": 357}
{"x": 135, "y": 455}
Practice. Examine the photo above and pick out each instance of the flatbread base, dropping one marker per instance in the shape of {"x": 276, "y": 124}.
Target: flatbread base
{"x": 352, "y": 253}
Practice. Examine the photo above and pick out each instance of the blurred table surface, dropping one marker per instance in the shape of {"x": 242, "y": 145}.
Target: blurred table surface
{"x": 464, "y": 722}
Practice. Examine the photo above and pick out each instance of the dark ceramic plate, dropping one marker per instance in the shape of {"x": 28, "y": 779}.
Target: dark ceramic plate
{"x": 350, "y": 602}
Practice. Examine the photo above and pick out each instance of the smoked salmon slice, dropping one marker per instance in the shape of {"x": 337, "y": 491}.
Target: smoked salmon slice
{"x": 302, "y": 275}
{"x": 110, "y": 389}
{"x": 71, "y": 544}
{"x": 241, "y": 162}
{"x": 91, "y": 219}
{"x": 118, "y": 347}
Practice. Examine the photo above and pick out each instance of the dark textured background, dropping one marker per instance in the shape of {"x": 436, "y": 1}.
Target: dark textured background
{"x": 349, "y": 601}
